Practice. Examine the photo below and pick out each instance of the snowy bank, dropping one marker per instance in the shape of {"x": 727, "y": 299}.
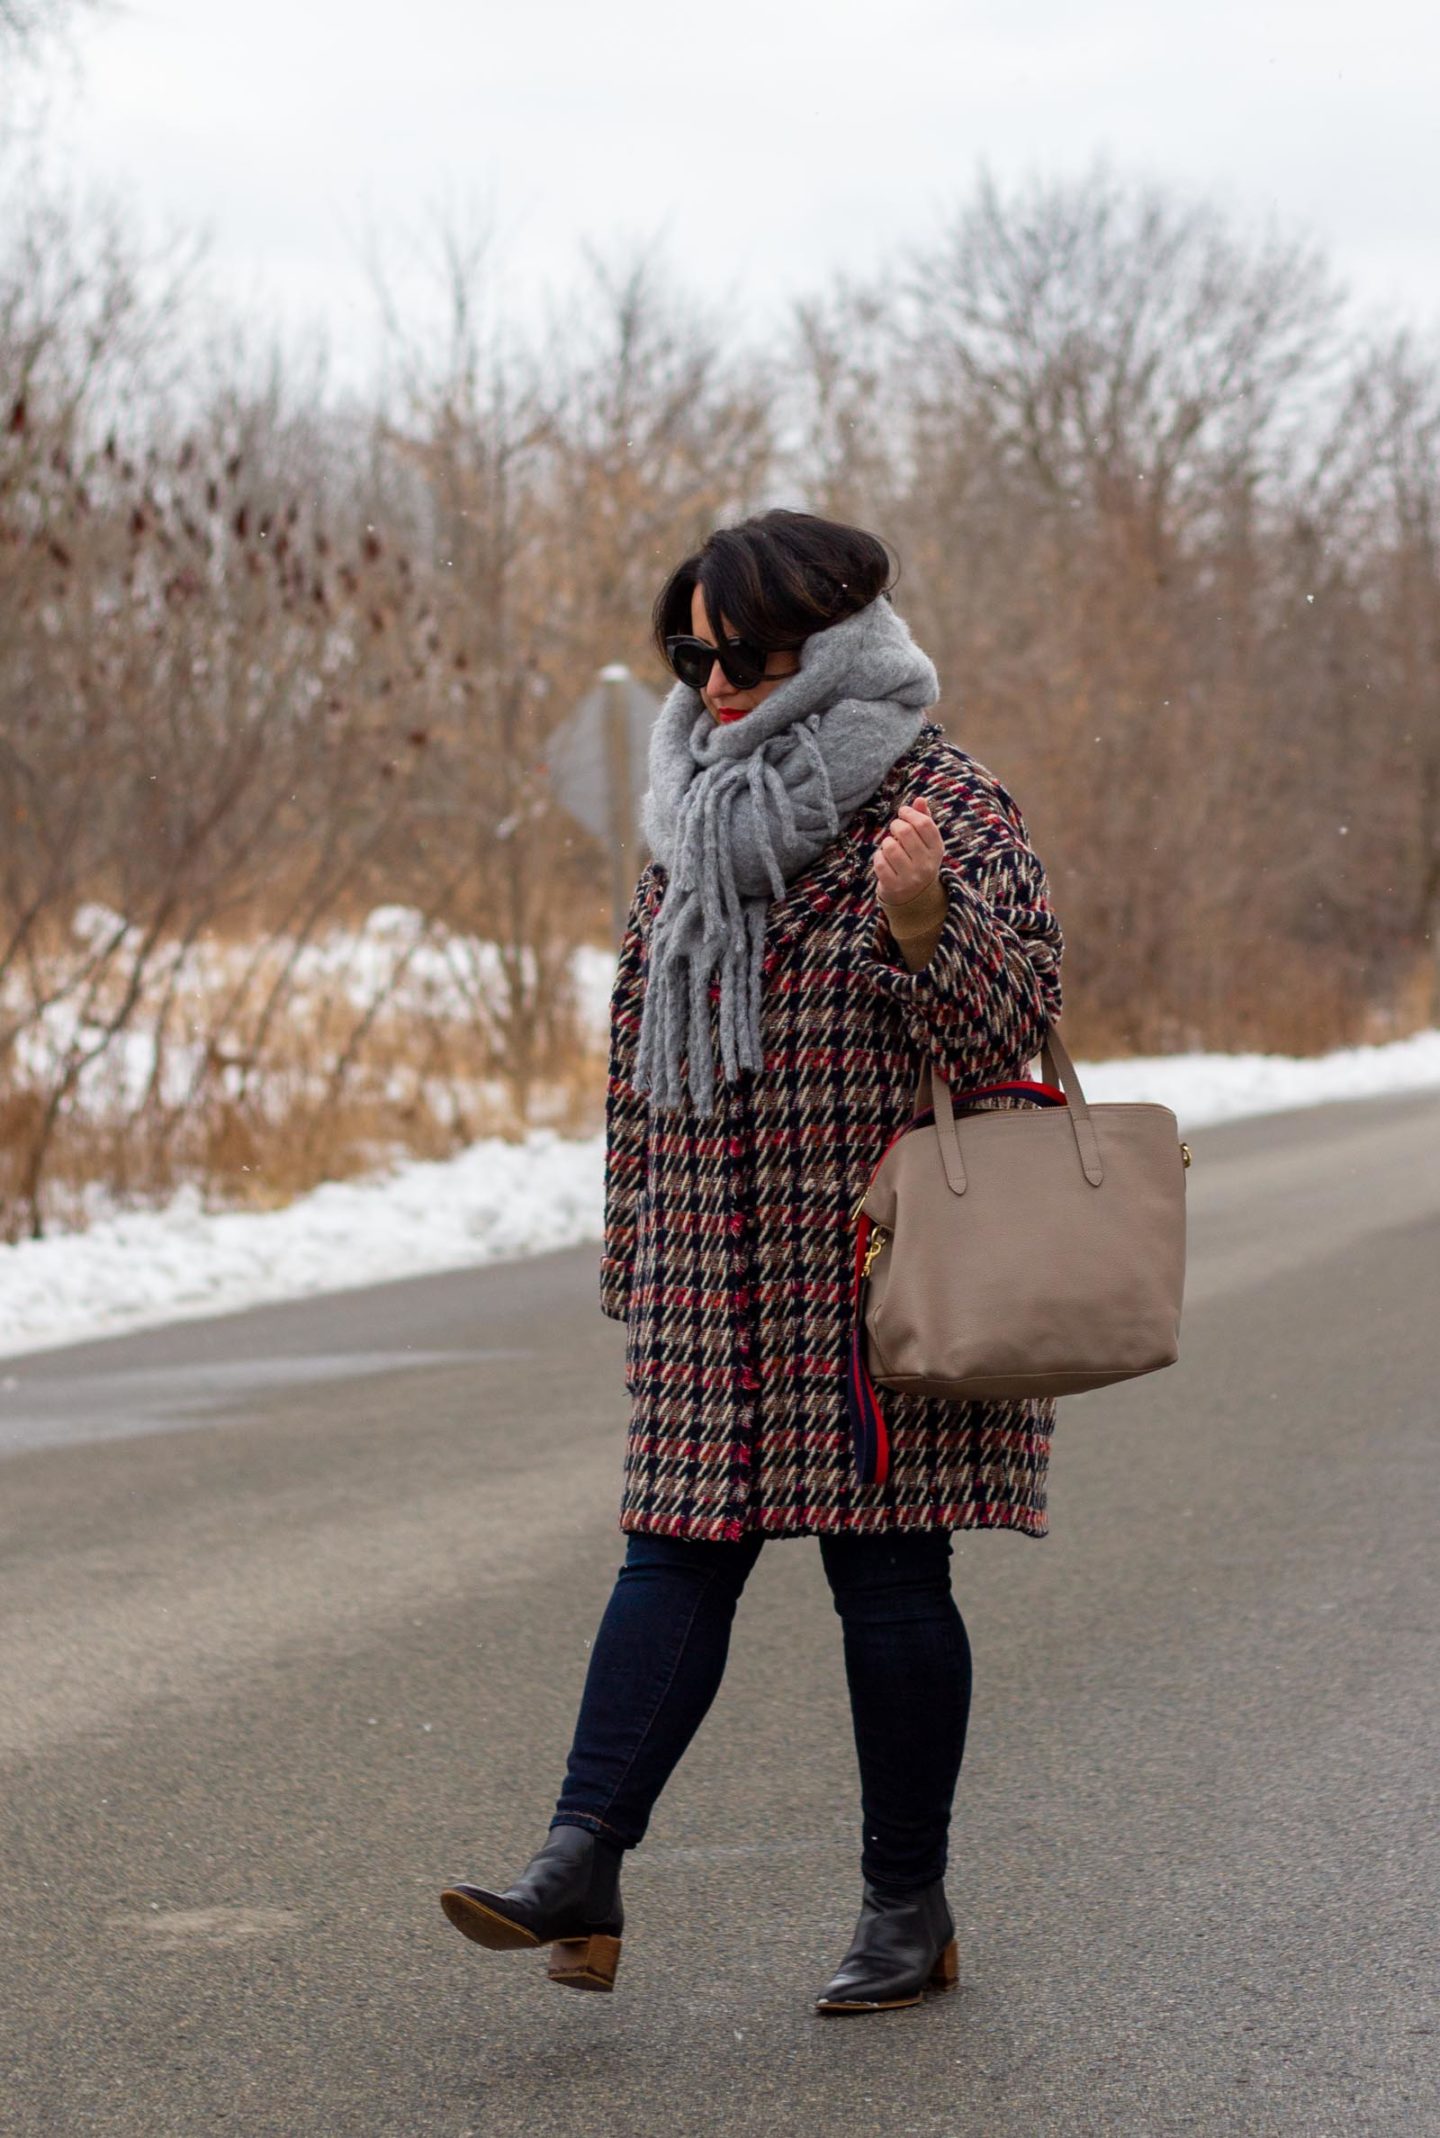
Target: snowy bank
{"x": 498, "y": 1200}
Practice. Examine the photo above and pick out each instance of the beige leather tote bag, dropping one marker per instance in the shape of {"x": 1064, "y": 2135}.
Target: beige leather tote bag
{"x": 1024, "y": 1253}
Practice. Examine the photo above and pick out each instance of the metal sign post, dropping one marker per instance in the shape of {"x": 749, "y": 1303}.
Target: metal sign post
{"x": 618, "y": 787}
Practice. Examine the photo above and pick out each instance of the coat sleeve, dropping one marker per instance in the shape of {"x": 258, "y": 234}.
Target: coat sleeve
{"x": 626, "y": 1110}
{"x": 915, "y": 923}
{"x": 980, "y": 1004}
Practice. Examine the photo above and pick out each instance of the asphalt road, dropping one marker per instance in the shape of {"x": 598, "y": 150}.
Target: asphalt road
{"x": 296, "y": 1606}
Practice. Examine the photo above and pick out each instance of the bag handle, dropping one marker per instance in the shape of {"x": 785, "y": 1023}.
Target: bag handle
{"x": 1055, "y": 1061}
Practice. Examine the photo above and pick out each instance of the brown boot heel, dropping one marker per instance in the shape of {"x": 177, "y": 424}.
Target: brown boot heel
{"x": 585, "y": 1963}
{"x": 945, "y": 1975}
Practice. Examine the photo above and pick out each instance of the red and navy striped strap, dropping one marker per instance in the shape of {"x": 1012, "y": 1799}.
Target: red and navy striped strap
{"x": 869, "y": 1434}
{"x": 1017, "y": 1088}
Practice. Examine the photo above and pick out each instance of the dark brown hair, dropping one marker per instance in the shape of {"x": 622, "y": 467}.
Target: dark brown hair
{"x": 776, "y": 578}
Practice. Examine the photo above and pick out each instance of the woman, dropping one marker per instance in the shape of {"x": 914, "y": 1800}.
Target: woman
{"x": 838, "y": 893}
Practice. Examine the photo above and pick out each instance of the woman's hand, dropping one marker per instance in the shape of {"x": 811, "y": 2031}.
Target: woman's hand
{"x": 907, "y": 857}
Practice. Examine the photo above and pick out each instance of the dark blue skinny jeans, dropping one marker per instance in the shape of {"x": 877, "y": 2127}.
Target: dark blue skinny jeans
{"x": 659, "y": 1656}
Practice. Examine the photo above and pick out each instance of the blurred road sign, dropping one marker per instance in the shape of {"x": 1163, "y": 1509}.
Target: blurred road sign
{"x": 580, "y": 752}
{"x": 598, "y": 761}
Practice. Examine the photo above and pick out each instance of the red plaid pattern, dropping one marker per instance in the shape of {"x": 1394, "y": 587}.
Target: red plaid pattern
{"x": 729, "y": 1242}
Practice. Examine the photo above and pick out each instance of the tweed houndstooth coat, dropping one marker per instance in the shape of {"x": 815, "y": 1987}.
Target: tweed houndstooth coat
{"x": 729, "y": 1241}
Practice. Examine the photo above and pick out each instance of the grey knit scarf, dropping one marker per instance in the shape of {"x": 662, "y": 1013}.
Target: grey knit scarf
{"x": 735, "y": 810}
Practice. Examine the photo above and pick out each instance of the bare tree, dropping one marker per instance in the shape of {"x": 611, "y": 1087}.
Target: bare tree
{"x": 547, "y": 490}
{"x": 1134, "y": 463}
{"x": 282, "y": 886}
{"x": 1122, "y": 336}
{"x": 26, "y": 25}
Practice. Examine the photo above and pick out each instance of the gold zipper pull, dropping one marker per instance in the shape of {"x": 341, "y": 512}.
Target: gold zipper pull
{"x": 873, "y": 1246}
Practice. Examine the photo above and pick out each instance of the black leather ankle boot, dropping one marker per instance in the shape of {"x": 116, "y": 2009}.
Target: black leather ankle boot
{"x": 904, "y": 1944}
{"x": 567, "y": 1896}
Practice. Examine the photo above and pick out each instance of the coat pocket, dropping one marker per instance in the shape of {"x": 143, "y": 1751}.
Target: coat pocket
{"x": 640, "y": 1314}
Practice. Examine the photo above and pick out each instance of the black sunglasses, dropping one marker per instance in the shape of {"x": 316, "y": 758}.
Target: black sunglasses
{"x": 692, "y": 659}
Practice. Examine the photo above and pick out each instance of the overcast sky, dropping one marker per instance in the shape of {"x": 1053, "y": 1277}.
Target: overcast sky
{"x": 763, "y": 144}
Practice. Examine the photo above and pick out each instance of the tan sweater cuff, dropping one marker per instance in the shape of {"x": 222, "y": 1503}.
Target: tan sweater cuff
{"x": 916, "y": 922}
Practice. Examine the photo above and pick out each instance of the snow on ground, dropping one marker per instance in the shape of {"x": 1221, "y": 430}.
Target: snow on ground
{"x": 494, "y": 1200}
{"x": 1201, "y": 1089}
{"x": 208, "y": 995}
{"x": 498, "y": 1200}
